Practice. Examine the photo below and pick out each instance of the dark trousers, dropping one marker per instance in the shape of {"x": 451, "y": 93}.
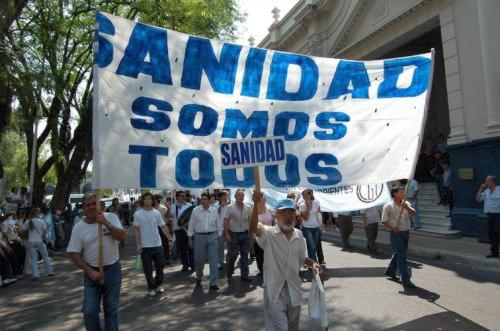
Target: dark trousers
{"x": 12, "y": 259}
{"x": 6, "y": 270}
{"x": 494, "y": 231}
{"x": 345, "y": 228}
{"x": 183, "y": 251}
{"x": 239, "y": 244}
{"x": 109, "y": 293}
{"x": 149, "y": 256}
{"x": 164, "y": 244}
{"x": 259, "y": 255}
{"x": 399, "y": 244}
{"x": 371, "y": 231}
{"x": 319, "y": 249}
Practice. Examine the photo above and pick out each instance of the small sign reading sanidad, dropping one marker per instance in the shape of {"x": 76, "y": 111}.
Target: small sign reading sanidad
{"x": 254, "y": 152}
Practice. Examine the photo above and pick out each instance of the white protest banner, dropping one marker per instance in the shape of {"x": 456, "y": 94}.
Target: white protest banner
{"x": 252, "y": 152}
{"x": 336, "y": 199}
{"x": 164, "y": 100}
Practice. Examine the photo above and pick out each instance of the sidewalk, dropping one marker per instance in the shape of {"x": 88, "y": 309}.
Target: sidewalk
{"x": 461, "y": 250}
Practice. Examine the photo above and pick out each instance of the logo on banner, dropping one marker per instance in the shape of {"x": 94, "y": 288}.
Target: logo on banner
{"x": 369, "y": 193}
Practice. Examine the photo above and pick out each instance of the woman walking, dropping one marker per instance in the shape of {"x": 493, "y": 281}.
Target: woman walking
{"x": 37, "y": 230}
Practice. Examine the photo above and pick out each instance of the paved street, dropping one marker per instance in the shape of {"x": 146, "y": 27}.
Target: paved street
{"x": 359, "y": 297}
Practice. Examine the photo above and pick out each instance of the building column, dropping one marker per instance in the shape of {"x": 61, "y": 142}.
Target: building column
{"x": 452, "y": 72}
{"x": 489, "y": 28}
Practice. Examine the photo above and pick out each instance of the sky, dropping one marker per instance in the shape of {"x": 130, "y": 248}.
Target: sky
{"x": 259, "y": 17}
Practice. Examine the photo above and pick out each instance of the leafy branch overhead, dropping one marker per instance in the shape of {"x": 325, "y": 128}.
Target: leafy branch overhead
{"x": 46, "y": 70}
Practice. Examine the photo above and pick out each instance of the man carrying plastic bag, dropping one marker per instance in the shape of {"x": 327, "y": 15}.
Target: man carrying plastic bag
{"x": 284, "y": 254}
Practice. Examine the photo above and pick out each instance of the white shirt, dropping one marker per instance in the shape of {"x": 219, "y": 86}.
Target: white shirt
{"x": 372, "y": 214}
{"x": 391, "y": 213}
{"x": 77, "y": 220}
{"x": 85, "y": 237}
{"x": 177, "y": 211}
{"x": 149, "y": 221}
{"x": 282, "y": 261}
{"x": 39, "y": 227}
{"x": 491, "y": 200}
{"x": 12, "y": 206}
{"x": 204, "y": 220}
{"x": 312, "y": 221}
{"x": 222, "y": 214}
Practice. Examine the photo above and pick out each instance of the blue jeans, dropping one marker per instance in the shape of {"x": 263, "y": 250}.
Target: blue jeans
{"x": 312, "y": 236}
{"x": 110, "y": 294}
{"x": 206, "y": 244}
{"x": 35, "y": 247}
{"x": 239, "y": 243}
{"x": 416, "y": 219}
{"x": 399, "y": 244}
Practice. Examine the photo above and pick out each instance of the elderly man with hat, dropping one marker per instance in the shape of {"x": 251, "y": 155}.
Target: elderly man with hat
{"x": 284, "y": 253}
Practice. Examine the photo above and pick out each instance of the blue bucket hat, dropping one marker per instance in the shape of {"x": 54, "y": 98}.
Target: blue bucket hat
{"x": 285, "y": 204}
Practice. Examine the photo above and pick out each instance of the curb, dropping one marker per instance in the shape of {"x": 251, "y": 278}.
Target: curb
{"x": 421, "y": 252}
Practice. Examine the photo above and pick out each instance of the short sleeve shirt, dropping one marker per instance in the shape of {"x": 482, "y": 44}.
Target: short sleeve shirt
{"x": 85, "y": 238}
{"x": 282, "y": 261}
{"x": 412, "y": 188}
{"x": 36, "y": 233}
{"x": 239, "y": 219}
{"x": 372, "y": 214}
{"x": 391, "y": 213}
{"x": 491, "y": 200}
{"x": 148, "y": 221}
{"x": 312, "y": 221}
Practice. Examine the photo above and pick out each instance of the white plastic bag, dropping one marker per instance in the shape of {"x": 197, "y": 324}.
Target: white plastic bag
{"x": 317, "y": 305}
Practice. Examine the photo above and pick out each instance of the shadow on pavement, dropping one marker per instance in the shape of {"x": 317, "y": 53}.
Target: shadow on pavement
{"x": 441, "y": 321}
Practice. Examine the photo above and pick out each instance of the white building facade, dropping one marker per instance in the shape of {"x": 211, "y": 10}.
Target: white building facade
{"x": 465, "y": 98}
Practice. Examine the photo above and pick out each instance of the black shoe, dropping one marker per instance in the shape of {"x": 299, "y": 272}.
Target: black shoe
{"x": 492, "y": 256}
{"x": 214, "y": 288}
{"x": 392, "y": 275}
{"x": 198, "y": 282}
{"x": 408, "y": 285}
{"x": 246, "y": 279}
{"x": 184, "y": 268}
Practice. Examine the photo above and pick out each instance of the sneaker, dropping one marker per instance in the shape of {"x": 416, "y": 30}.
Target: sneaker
{"x": 408, "y": 285}
{"x": 184, "y": 268}
{"x": 214, "y": 288}
{"x": 9, "y": 280}
{"x": 51, "y": 275}
{"x": 160, "y": 289}
{"x": 246, "y": 279}
{"x": 152, "y": 293}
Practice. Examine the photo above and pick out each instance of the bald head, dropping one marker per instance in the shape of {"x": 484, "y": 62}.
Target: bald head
{"x": 491, "y": 181}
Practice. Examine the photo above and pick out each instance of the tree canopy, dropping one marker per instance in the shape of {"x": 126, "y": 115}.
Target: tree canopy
{"x": 46, "y": 73}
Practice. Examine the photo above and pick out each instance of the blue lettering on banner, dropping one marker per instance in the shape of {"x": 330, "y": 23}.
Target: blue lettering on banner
{"x": 333, "y": 176}
{"x": 147, "y": 168}
{"x": 104, "y": 55}
{"x": 140, "y": 107}
{"x": 146, "y": 40}
{"x": 249, "y": 153}
{"x": 291, "y": 171}
{"x": 200, "y": 57}
{"x": 208, "y": 120}
{"x": 279, "y": 72}
{"x": 230, "y": 179}
{"x": 236, "y": 122}
{"x": 353, "y": 72}
{"x": 339, "y": 130}
{"x": 183, "y": 171}
{"x": 282, "y": 122}
{"x": 393, "y": 68}
{"x": 252, "y": 76}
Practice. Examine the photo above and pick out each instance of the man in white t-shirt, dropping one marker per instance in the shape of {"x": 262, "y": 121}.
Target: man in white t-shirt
{"x": 371, "y": 218}
{"x": 396, "y": 216}
{"x": 84, "y": 251}
{"x": 148, "y": 242}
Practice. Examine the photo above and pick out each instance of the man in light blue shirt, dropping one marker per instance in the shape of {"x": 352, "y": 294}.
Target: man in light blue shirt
{"x": 489, "y": 192}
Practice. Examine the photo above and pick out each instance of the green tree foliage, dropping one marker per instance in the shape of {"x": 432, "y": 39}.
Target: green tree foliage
{"x": 49, "y": 66}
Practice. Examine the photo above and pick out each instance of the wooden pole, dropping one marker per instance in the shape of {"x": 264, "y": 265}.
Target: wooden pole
{"x": 256, "y": 177}
{"x": 101, "y": 244}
